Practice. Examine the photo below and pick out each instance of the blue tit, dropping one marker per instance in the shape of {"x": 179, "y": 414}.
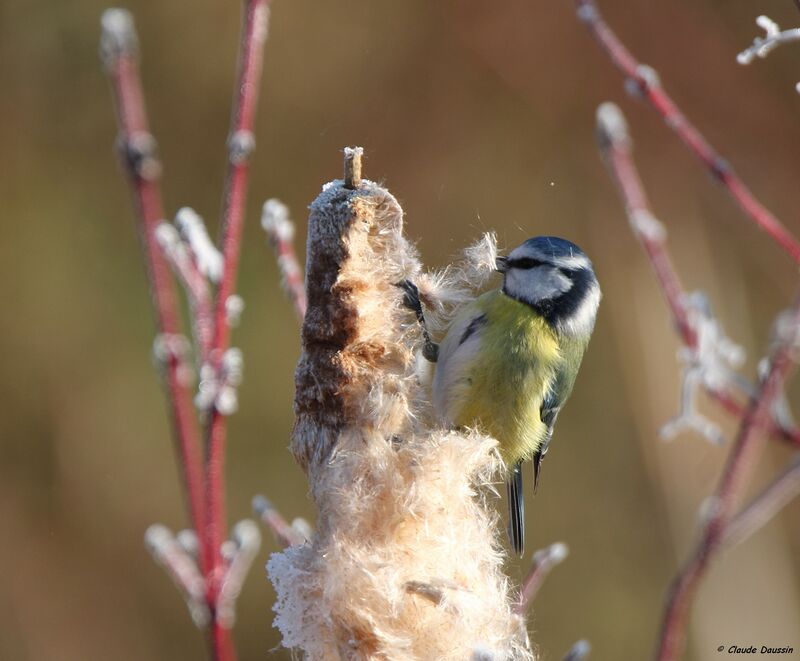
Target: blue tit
{"x": 509, "y": 360}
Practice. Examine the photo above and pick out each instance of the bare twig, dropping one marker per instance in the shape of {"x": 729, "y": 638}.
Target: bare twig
{"x": 773, "y": 37}
{"x": 240, "y": 145}
{"x": 138, "y": 153}
{"x": 743, "y": 456}
{"x": 286, "y": 535}
{"x": 779, "y": 493}
{"x": 543, "y": 562}
{"x": 247, "y": 542}
{"x": 644, "y": 81}
{"x": 280, "y": 231}
{"x": 197, "y": 262}
{"x": 194, "y": 283}
{"x": 182, "y": 568}
{"x": 690, "y": 321}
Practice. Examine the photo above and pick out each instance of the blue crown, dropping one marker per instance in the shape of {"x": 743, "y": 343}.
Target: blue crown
{"x": 554, "y": 246}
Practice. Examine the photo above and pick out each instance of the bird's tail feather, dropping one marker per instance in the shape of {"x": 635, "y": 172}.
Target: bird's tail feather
{"x": 516, "y": 510}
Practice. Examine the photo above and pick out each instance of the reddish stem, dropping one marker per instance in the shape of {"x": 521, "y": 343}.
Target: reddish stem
{"x": 194, "y": 284}
{"x": 647, "y": 84}
{"x": 784, "y": 488}
{"x": 293, "y": 275}
{"x": 740, "y": 463}
{"x": 615, "y": 145}
{"x": 140, "y": 159}
{"x": 240, "y": 144}
{"x": 542, "y": 564}
{"x": 284, "y": 533}
{"x": 280, "y": 232}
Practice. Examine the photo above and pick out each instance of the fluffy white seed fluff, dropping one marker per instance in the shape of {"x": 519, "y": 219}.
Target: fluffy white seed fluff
{"x": 405, "y": 561}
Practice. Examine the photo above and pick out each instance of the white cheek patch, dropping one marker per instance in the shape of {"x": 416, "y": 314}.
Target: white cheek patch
{"x": 537, "y": 284}
{"x": 582, "y": 322}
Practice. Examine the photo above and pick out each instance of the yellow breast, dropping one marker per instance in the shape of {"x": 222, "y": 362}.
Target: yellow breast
{"x": 510, "y": 376}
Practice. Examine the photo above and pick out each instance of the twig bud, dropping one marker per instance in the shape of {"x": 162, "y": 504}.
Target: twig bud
{"x": 611, "y": 126}
{"x": 193, "y": 230}
{"x": 118, "y": 36}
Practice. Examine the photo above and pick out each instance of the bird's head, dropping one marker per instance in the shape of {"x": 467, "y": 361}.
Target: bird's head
{"x": 556, "y": 278}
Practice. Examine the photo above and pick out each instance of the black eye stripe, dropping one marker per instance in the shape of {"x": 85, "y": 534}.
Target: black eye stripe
{"x": 525, "y": 263}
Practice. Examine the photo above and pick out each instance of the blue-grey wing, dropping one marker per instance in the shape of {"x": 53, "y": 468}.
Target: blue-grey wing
{"x": 457, "y": 354}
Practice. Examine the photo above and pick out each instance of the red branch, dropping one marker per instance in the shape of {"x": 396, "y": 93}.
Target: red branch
{"x": 744, "y": 455}
{"x": 616, "y": 147}
{"x": 194, "y": 283}
{"x": 206, "y": 496}
{"x": 543, "y": 562}
{"x": 647, "y": 84}
{"x": 280, "y": 232}
{"x": 240, "y": 145}
{"x": 775, "y": 496}
{"x": 285, "y": 534}
{"x": 138, "y": 153}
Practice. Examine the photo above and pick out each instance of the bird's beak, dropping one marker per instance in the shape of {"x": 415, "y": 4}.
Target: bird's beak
{"x": 501, "y": 264}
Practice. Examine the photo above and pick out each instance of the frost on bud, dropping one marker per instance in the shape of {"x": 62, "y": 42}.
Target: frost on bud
{"x": 182, "y": 568}
{"x": 303, "y": 528}
{"x": 773, "y": 37}
{"x": 227, "y": 402}
{"x": 118, "y": 36}
{"x": 275, "y": 220}
{"x": 647, "y": 225}
{"x": 768, "y": 25}
{"x": 240, "y": 145}
{"x": 234, "y": 306}
{"x": 168, "y": 347}
{"x": 240, "y": 553}
{"x": 167, "y": 236}
{"x": 156, "y": 538}
{"x": 193, "y": 231}
{"x": 189, "y": 542}
{"x": 611, "y": 125}
{"x": 246, "y": 535}
{"x": 709, "y": 509}
{"x": 711, "y": 363}
{"x": 785, "y": 331}
{"x": 646, "y": 79}
{"x": 554, "y": 554}
{"x": 207, "y": 390}
{"x": 233, "y": 366}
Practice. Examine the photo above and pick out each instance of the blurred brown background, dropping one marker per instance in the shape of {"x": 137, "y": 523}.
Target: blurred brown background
{"x": 477, "y": 116}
